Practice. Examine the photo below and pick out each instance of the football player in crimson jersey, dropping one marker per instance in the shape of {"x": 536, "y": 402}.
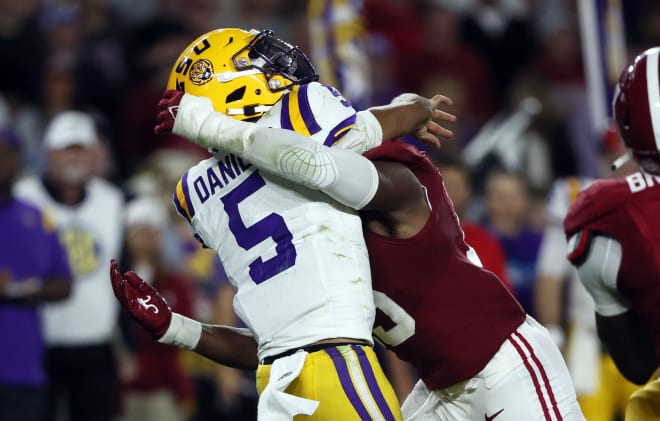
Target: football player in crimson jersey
{"x": 614, "y": 239}
{"x": 470, "y": 340}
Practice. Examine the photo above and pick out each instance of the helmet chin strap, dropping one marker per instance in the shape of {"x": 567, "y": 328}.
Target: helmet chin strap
{"x": 618, "y": 163}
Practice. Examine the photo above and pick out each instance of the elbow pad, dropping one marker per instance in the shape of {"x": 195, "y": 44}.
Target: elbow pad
{"x": 345, "y": 176}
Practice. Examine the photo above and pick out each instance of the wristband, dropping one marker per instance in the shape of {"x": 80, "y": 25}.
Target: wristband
{"x": 183, "y": 332}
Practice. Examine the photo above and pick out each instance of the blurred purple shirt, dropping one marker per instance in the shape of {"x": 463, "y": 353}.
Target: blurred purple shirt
{"x": 29, "y": 249}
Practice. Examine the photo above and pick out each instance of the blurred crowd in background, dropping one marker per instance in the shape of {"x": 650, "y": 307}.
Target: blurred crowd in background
{"x": 524, "y": 145}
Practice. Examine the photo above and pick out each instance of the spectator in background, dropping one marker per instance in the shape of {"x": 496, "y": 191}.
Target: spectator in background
{"x": 444, "y": 63}
{"x": 222, "y": 392}
{"x": 88, "y": 211}
{"x": 23, "y": 44}
{"x": 501, "y": 33}
{"x": 339, "y": 48}
{"x": 508, "y": 218}
{"x": 160, "y": 390}
{"x": 459, "y": 187}
{"x": 558, "y": 75}
{"x": 154, "y": 46}
{"x": 33, "y": 269}
{"x": 101, "y": 74}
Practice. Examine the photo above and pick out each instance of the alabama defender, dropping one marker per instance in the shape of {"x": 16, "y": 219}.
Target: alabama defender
{"x": 614, "y": 237}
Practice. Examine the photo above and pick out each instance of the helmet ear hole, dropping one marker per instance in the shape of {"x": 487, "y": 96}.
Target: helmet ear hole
{"x": 237, "y": 95}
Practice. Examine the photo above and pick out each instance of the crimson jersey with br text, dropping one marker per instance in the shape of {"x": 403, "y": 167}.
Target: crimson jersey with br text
{"x": 627, "y": 210}
{"x": 438, "y": 309}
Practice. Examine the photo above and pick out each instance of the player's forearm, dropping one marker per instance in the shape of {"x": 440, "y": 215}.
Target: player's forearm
{"x": 228, "y": 346}
{"x": 406, "y": 114}
{"x": 343, "y": 175}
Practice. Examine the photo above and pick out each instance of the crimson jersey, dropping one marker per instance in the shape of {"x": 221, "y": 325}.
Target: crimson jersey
{"x": 437, "y": 309}
{"x": 627, "y": 210}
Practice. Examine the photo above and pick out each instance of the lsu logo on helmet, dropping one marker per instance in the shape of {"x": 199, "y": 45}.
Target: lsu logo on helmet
{"x": 244, "y": 73}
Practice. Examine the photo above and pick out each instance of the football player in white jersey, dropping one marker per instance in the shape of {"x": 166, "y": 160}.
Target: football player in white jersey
{"x": 297, "y": 258}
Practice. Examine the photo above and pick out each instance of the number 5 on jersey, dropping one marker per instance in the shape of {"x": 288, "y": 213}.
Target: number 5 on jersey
{"x": 272, "y": 226}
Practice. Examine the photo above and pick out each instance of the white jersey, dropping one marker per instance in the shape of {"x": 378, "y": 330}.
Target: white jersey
{"x": 297, "y": 258}
{"x": 91, "y": 233}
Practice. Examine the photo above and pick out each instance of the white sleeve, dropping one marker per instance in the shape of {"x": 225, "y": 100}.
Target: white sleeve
{"x": 345, "y": 176}
{"x": 365, "y": 134}
{"x": 598, "y": 273}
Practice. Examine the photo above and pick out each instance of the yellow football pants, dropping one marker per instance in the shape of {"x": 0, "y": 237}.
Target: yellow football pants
{"x": 347, "y": 380}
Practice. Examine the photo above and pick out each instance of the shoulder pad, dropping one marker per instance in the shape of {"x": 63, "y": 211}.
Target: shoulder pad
{"x": 593, "y": 202}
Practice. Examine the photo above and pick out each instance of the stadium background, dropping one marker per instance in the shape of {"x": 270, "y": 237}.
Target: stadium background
{"x": 531, "y": 81}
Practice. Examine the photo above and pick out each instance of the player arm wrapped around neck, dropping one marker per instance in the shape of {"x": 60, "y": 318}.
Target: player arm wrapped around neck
{"x": 346, "y": 176}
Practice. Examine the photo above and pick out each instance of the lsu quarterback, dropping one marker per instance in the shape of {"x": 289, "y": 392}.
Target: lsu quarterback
{"x": 297, "y": 258}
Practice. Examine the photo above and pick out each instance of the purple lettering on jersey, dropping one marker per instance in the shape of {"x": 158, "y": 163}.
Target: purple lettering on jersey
{"x": 226, "y": 169}
{"x": 214, "y": 181}
{"x": 239, "y": 164}
{"x": 272, "y": 226}
{"x": 200, "y": 188}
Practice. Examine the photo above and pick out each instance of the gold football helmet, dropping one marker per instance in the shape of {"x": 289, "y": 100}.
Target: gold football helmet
{"x": 244, "y": 73}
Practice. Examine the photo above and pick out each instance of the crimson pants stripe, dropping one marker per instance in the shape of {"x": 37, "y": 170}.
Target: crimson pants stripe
{"x": 347, "y": 383}
{"x": 544, "y": 375}
{"x": 369, "y": 376}
{"x": 537, "y": 386}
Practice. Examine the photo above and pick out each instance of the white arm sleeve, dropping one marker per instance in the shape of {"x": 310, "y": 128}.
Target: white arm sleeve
{"x": 598, "y": 273}
{"x": 345, "y": 176}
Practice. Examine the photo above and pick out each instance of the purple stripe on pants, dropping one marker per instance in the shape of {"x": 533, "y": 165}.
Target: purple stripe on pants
{"x": 368, "y": 373}
{"x": 347, "y": 384}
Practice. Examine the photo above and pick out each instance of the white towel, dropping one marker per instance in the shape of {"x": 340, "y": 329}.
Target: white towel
{"x": 274, "y": 404}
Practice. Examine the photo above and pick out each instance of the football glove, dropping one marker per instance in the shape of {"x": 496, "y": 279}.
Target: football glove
{"x": 151, "y": 310}
{"x": 141, "y": 300}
